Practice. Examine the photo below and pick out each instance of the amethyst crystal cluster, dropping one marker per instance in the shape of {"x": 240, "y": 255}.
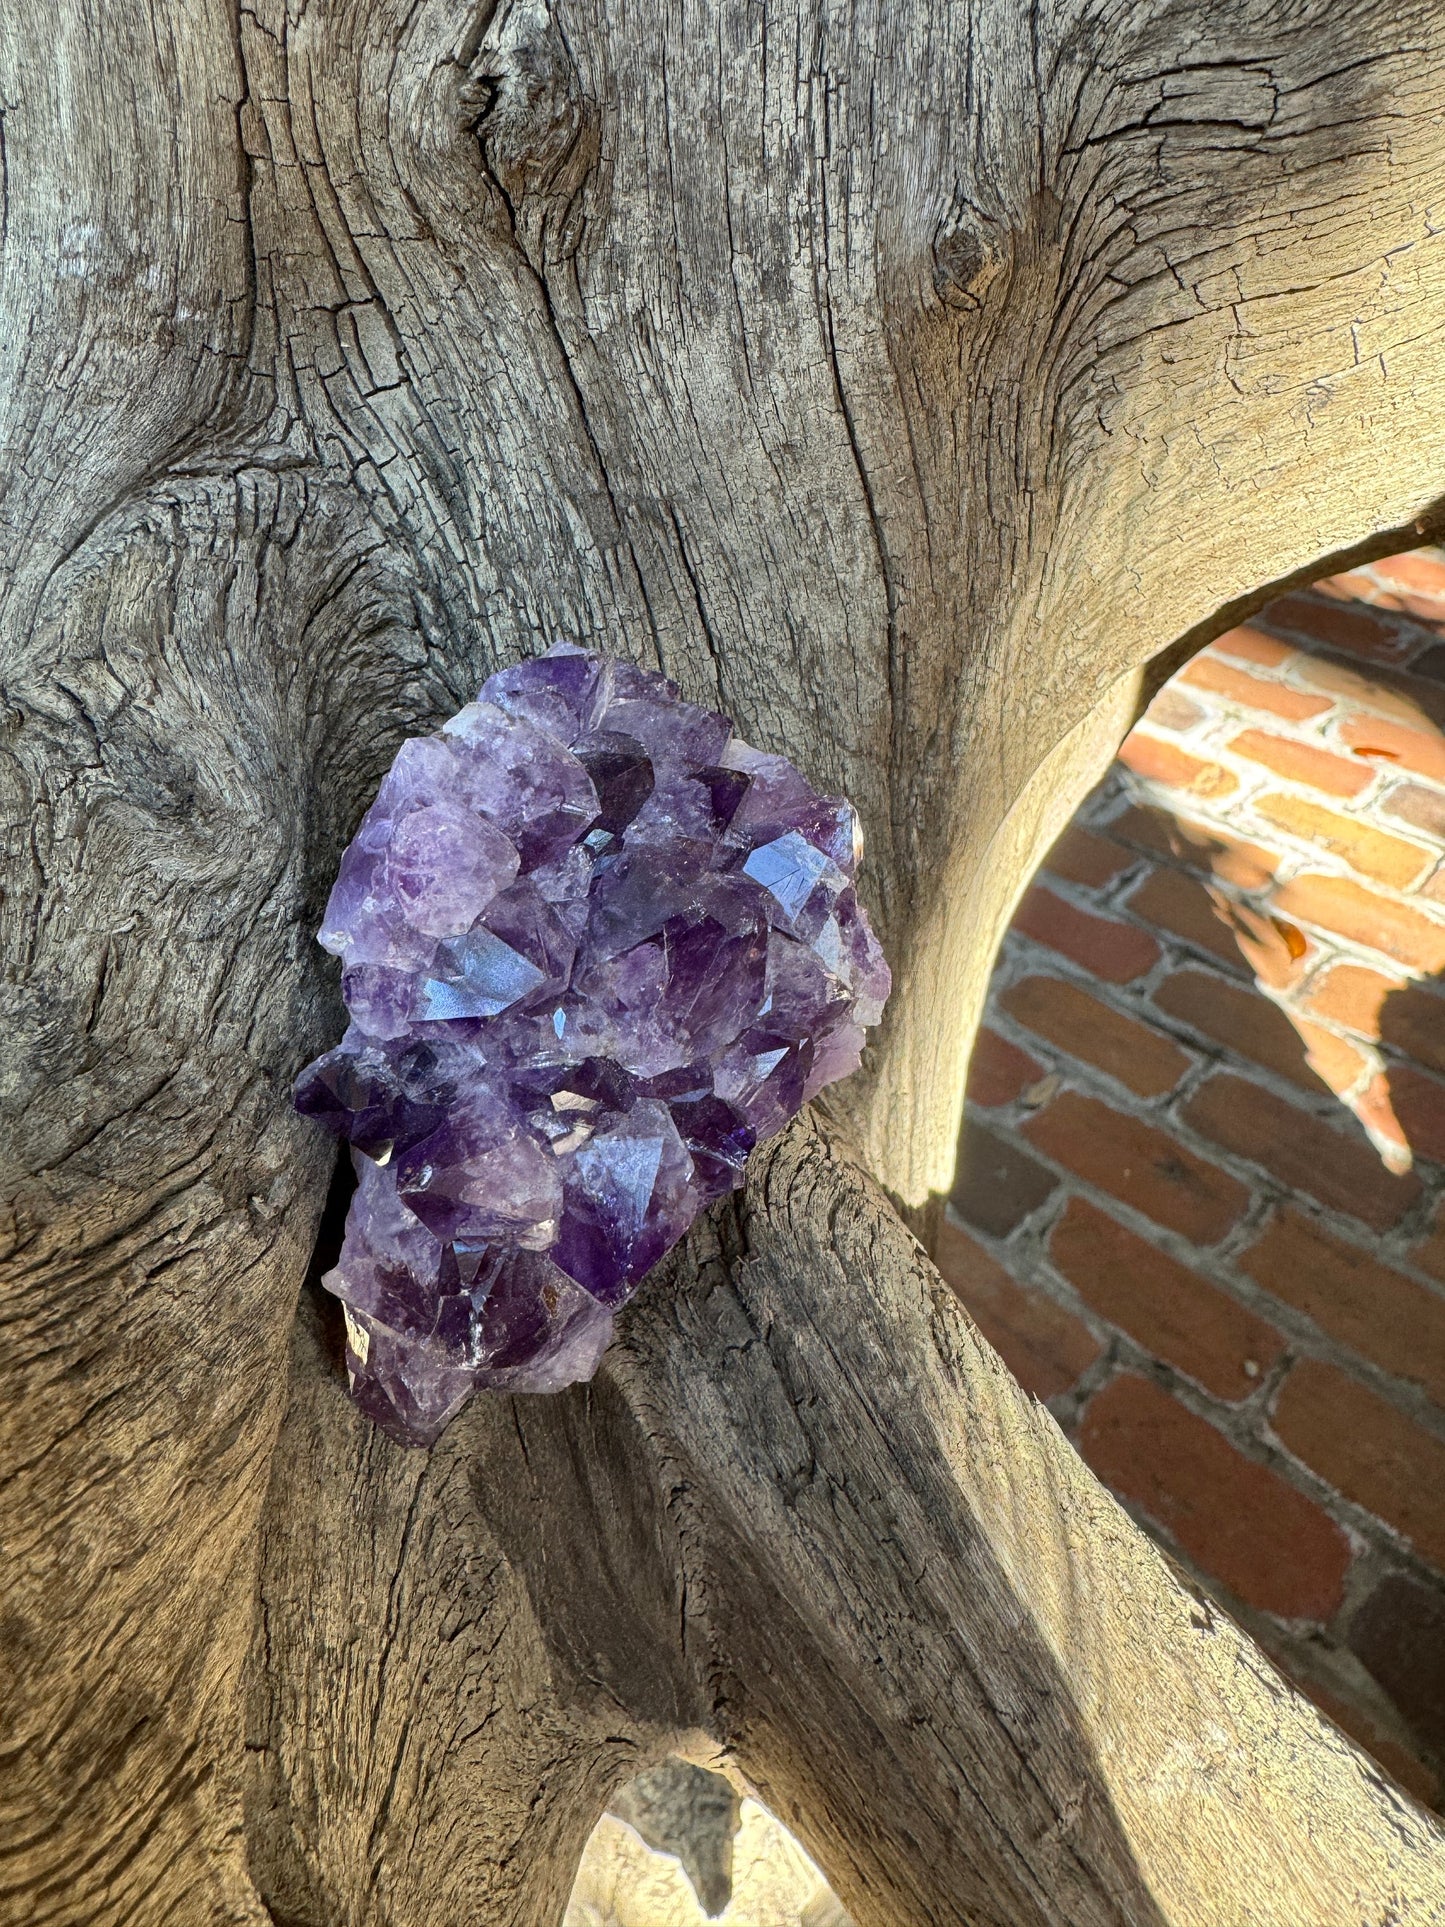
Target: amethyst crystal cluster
{"x": 595, "y": 948}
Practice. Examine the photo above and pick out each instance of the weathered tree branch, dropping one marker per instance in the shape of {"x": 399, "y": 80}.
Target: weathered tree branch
{"x": 973, "y": 1686}
{"x": 806, "y": 1517}
{"x": 902, "y": 379}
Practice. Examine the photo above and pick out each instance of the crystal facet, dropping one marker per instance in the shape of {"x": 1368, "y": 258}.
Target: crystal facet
{"x": 594, "y": 948}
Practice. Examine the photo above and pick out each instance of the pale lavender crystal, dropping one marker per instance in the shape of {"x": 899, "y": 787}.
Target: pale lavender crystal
{"x": 594, "y": 949}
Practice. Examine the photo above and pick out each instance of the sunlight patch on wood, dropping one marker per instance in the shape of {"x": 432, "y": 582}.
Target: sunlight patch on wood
{"x": 623, "y": 1883}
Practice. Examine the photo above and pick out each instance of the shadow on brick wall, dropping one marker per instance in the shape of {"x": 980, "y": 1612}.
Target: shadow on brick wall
{"x": 1200, "y": 1180}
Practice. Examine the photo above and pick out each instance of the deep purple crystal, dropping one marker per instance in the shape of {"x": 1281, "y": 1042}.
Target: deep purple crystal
{"x": 594, "y": 949}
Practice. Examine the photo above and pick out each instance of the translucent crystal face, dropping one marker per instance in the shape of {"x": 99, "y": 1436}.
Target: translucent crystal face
{"x": 594, "y": 948}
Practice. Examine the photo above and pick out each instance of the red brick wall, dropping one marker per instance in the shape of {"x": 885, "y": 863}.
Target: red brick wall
{"x": 1199, "y": 1189}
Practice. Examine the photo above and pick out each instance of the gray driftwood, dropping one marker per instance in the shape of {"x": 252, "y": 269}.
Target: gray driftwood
{"x": 904, "y": 376}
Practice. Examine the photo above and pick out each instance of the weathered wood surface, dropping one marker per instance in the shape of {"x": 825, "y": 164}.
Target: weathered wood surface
{"x": 804, "y": 1515}
{"x": 902, "y": 378}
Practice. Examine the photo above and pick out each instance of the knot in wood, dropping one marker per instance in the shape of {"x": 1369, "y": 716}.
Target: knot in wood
{"x": 537, "y": 129}
{"x": 965, "y": 262}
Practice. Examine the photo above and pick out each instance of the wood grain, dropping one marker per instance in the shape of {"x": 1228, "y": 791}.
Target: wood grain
{"x": 903, "y": 379}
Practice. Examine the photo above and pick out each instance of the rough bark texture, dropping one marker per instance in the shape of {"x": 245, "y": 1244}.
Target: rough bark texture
{"x": 901, "y": 378}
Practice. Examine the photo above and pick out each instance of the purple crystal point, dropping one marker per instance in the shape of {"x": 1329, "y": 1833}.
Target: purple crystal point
{"x": 595, "y": 948}
{"x": 621, "y": 773}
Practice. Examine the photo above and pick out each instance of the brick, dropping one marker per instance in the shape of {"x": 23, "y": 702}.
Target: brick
{"x": 1344, "y": 908}
{"x": 1117, "y": 952}
{"x": 1419, "y": 1104}
{"x": 1337, "y": 1063}
{"x": 1186, "y": 909}
{"x": 998, "y": 1070}
{"x": 1201, "y": 847}
{"x": 1277, "y": 951}
{"x": 1164, "y": 1306}
{"x": 1410, "y": 694}
{"x": 1422, "y": 809}
{"x": 1321, "y": 769}
{"x": 1080, "y": 856}
{"x": 1240, "y": 1019}
{"x": 1252, "y": 692}
{"x": 1364, "y": 1304}
{"x": 1401, "y": 697}
{"x": 1119, "y": 1045}
{"x": 1356, "y": 1721}
{"x": 1155, "y": 831}
{"x": 1139, "y": 1165}
{"x": 1368, "y": 1450}
{"x": 1352, "y": 995}
{"x": 1411, "y": 1020}
{"x": 1249, "y": 644}
{"x": 1423, "y": 575}
{"x": 997, "y": 1184}
{"x": 1375, "y": 1109}
{"x": 1414, "y": 1775}
{"x": 1172, "y": 709}
{"x": 1421, "y": 751}
{"x": 1423, "y": 610}
{"x": 1302, "y": 1152}
{"x": 1236, "y": 1520}
{"x": 1232, "y": 860}
{"x": 1398, "y": 1635}
{"x": 1429, "y": 1254}
{"x": 1045, "y": 1346}
{"x": 1160, "y": 762}
{"x": 1342, "y": 625}
{"x": 1370, "y": 852}
{"x": 1353, "y": 587}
